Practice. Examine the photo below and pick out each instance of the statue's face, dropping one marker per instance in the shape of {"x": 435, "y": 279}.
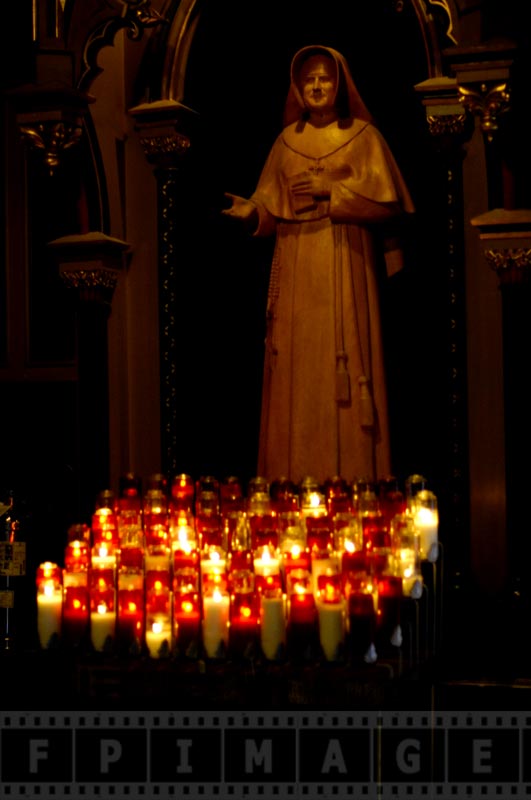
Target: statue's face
{"x": 318, "y": 84}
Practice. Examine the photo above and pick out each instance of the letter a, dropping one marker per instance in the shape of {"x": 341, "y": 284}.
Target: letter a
{"x": 334, "y": 758}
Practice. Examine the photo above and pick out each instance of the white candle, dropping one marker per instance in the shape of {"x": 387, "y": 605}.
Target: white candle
{"x": 331, "y": 628}
{"x": 102, "y": 626}
{"x": 213, "y": 563}
{"x": 323, "y": 566}
{"x": 215, "y": 623}
{"x": 49, "y": 613}
{"x": 409, "y": 569}
{"x": 272, "y": 624}
{"x": 427, "y": 524}
{"x": 266, "y": 564}
{"x": 102, "y": 559}
{"x": 158, "y": 633}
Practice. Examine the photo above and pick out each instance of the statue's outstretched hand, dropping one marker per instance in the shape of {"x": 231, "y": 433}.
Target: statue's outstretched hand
{"x": 240, "y": 208}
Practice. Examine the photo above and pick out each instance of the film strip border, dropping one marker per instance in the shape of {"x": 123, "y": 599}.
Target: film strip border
{"x": 310, "y": 755}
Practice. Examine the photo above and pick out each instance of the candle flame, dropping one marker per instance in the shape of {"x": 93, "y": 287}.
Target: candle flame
{"x": 156, "y": 627}
{"x": 187, "y": 606}
{"x": 245, "y": 611}
{"x": 296, "y": 550}
{"x": 315, "y": 500}
{"x": 330, "y": 591}
{"x": 102, "y": 608}
{"x": 426, "y": 516}
{"x": 183, "y": 539}
{"x": 217, "y": 596}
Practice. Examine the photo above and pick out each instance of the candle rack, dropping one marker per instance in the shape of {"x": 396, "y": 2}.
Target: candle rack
{"x": 335, "y": 577}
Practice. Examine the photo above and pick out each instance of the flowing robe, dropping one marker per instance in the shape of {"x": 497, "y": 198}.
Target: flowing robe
{"x": 324, "y": 403}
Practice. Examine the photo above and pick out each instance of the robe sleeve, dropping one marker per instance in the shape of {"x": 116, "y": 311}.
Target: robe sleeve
{"x": 374, "y": 190}
{"x": 269, "y": 195}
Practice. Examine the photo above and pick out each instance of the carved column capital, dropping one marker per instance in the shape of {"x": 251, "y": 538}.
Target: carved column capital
{"x": 51, "y": 119}
{"x": 506, "y": 237}
{"x": 165, "y": 128}
{"x": 483, "y": 76}
{"x": 448, "y": 122}
{"x": 90, "y": 264}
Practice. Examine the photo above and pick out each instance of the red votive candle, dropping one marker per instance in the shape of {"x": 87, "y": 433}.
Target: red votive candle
{"x": 244, "y": 621}
{"x": 302, "y": 609}
{"x": 186, "y": 619}
{"x": 185, "y": 559}
{"x": 182, "y": 493}
{"x": 319, "y": 532}
{"x": 130, "y": 622}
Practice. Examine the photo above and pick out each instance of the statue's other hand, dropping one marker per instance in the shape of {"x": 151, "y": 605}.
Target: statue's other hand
{"x": 308, "y": 183}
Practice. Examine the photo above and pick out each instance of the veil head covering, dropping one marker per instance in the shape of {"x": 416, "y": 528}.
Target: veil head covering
{"x": 348, "y": 99}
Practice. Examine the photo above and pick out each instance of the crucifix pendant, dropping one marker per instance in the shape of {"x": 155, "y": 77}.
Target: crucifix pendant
{"x": 316, "y": 168}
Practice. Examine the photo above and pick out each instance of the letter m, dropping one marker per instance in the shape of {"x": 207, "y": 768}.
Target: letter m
{"x": 256, "y": 756}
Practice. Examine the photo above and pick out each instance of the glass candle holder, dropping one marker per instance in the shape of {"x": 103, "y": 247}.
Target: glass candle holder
{"x": 291, "y": 531}
{"x": 129, "y": 502}
{"x": 406, "y": 546}
{"x": 392, "y": 499}
{"x": 49, "y": 603}
{"x": 312, "y": 499}
{"x": 158, "y": 583}
{"x": 273, "y": 610}
{"x": 182, "y": 531}
{"x": 104, "y": 525}
{"x": 426, "y": 516}
{"x": 266, "y": 566}
{"x": 284, "y": 495}
{"x": 215, "y": 623}
{"x": 156, "y": 519}
{"x": 102, "y": 584}
{"x": 324, "y": 562}
{"x": 131, "y": 608}
{"x": 76, "y": 603}
{"x": 353, "y": 562}
{"x": 213, "y": 569}
{"x": 158, "y": 634}
{"x": 244, "y": 617}
{"x": 186, "y": 616}
{"x": 77, "y": 555}
{"x": 186, "y": 558}
{"x": 182, "y": 494}
{"x": 302, "y": 610}
{"x": 338, "y": 496}
{"x": 347, "y": 532}
{"x": 331, "y": 614}
{"x": 232, "y": 498}
{"x": 414, "y": 484}
{"x": 208, "y": 520}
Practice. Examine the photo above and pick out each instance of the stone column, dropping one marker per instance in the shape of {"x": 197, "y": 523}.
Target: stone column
{"x": 450, "y": 127}
{"x": 165, "y": 129}
{"x": 89, "y": 265}
{"x": 506, "y": 239}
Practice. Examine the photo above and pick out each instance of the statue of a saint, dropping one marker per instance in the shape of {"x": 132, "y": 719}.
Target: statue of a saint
{"x": 329, "y": 181}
